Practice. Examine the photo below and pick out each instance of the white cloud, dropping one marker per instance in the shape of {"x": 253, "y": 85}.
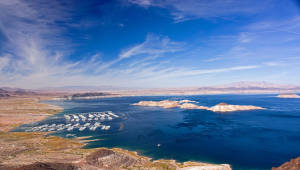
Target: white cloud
{"x": 191, "y": 9}
{"x": 245, "y": 37}
{"x": 33, "y": 47}
{"x": 197, "y": 72}
{"x": 151, "y": 48}
{"x": 153, "y": 45}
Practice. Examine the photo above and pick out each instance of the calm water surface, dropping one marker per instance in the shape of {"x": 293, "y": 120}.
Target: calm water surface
{"x": 247, "y": 140}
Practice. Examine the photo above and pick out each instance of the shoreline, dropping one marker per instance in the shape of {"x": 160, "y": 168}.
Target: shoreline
{"x": 274, "y": 94}
{"x": 75, "y": 159}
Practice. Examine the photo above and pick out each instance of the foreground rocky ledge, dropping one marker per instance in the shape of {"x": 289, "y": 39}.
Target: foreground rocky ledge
{"x": 294, "y": 164}
{"x": 222, "y": 107}
{"x": 25, "y": 150}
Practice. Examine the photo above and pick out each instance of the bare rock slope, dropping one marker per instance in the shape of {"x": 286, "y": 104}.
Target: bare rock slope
{"x": 293, "y": 164}
{"x": 222, "y": 107}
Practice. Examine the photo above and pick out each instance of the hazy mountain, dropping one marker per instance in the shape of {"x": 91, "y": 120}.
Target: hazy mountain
{"x": 253, "y": 85}
{"x": 7, "y": 92}
{"x": 83, "y": 88}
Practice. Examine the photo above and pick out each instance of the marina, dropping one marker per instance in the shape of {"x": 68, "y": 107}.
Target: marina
{"x": 91, "y": 121}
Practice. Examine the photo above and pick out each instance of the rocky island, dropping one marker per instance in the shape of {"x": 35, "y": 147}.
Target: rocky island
{"x": 288, "y": 96}
{"x": 222, "y": 107}
{"x": 164, "y": 103}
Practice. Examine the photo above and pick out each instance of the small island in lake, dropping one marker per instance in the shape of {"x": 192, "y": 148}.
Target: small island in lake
{"x": 222, "y": 107}
{"x": 288, "y": 96}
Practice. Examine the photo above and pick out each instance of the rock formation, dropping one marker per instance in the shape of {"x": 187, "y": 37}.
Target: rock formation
{"x": 288, "y": 96}
{"x": 293, "y": 164}
{"x": 192, "y": 106}
{"x": 164, "y": 103}
{"x": 222, "y": 107}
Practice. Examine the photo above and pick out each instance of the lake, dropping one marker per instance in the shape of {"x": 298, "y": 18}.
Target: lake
{"x": 258, "y": 139}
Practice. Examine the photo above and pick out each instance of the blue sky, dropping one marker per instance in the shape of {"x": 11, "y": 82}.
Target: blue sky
{"x": 148, "y": 43}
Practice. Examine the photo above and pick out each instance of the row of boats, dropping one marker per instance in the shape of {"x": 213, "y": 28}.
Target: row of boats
{"x": 68, "y": 127}
{"x": 91, "y": 116}
{"x": 79, "y": 121}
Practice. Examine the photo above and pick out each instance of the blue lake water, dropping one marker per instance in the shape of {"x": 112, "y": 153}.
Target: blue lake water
{"x": 258, "y": 139}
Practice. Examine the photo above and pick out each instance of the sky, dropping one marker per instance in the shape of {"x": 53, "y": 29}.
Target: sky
{"x": 148, "y": 43}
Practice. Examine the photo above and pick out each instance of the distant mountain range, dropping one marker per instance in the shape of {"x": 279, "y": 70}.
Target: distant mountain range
{"x": 83, "y": 88}
{"x": 9, "y": 92}
{"x": 243, "y": 87}
{"x": 253, "y": 85}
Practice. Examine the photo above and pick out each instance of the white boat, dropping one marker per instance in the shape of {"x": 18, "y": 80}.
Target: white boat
{"x": 93, "y": 128}
{"x": 70, "y": 128}
{"x": 87, "y": 124}
{"x": 67, "y": 117}
{"x": 114, "y": 115}
{"x": 82, "y": 128}
{"x": 60, "y": 125}
{"x": 68, "y": 125}
{"x": 62, "y": 128}
{"x": 76, "y": 125}
{"x": 107, "y": 127}
{"x": 82, "y": 117}
{"x": 53, "y": 125}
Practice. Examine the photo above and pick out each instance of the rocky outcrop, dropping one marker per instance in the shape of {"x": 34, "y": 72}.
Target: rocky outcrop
{"x": 118, "y": 159}
{"x": 222, "y": 107}
{"x": 121, "y": 159}
{"x": 34, "y": 151}
{"x": 164, "y": 103}
{"x": 187, "y": 101}
{"x": 47, "y": 166}
{"x": 288, "y": 96}
{"x": 293, "y": 164}
{"x": 106, "y": 158}
{"x": 192, "y": 106}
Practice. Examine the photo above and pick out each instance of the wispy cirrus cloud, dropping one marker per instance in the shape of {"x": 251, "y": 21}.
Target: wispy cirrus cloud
{"x": 33, "y": 47}
{"x": 153, "y": 45}
{"x": 193, "y": 9}
{"x": 35, "y": 52}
